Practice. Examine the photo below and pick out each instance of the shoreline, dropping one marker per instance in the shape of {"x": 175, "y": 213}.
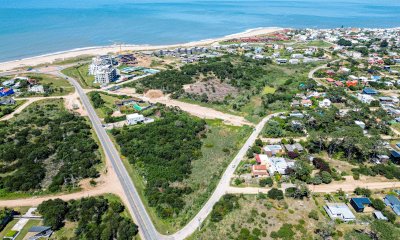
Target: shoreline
{"x": 99, "y": 50}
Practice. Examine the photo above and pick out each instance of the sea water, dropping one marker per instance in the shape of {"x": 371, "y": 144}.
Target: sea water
{"x": 35, "y": 27}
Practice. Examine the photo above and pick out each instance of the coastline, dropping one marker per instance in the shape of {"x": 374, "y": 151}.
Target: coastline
{"x": 99, "y": 50}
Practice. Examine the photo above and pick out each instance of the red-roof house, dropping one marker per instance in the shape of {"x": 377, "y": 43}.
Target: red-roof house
{"x": 339, "y": 84}
{"x": 330, "y": 80}
{"x": 259, "y": 171}
{"x": 351, "y": 83}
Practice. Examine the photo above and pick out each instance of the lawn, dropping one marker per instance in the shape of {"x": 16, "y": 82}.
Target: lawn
{"x": 59, "y": 85}
{"x": 8, "y": 227}
{"x": 314, "y": 43}
{"x": 24, "y": 231}
{"x": 109, "y": 104}
{"x": 81, "y": 73}
{"x": 219, "y": 148}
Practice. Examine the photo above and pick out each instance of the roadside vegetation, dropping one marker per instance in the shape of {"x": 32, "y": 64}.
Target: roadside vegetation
{"x": 46, "y": 149}
{"x": 95, "y": 217}
{"x": 169, "y": 169}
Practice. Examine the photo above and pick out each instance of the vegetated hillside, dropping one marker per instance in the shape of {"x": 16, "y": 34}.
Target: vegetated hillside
{"x": 96, "y": 218}
{"x": 242, "y": 73}
{"x": 163, "y": 152}
{"x": 46, "y": 147}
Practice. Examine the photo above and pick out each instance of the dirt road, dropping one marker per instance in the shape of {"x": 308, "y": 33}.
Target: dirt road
{"x": 347, "y": 186}
{"x": 203, "y": 112}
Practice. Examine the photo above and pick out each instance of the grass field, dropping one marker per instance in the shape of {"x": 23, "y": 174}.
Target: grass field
{"x": 81, "y": 73}
{"x": 315, "y": 43}
{"x": 108, "y": 105}
{"x": 60, "y": 86}
{"x": 219, "y": 148}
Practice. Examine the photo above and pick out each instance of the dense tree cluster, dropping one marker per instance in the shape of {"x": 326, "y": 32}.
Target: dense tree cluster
{"x": 225, "y": 205}
{"x": 239, "y": 72}
{"x": 97, "y": 100}
{"x": 97, "y": 218}
{"x": 46, "y": 138}
{"x": 163, "y": 151}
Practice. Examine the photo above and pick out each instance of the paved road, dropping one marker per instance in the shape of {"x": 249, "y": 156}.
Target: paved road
{"x": 146, "y": 227}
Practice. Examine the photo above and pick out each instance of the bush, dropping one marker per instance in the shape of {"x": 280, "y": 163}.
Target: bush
{"x": 326, "y": 177}
{"x": 363, "y": 192}
{"x": 314, "y": 215}
{"x": 378, "y": 204}
{"x": 225, "y": 205}
{"x": 266, "y": 181}
{"x": 275, "y": 193}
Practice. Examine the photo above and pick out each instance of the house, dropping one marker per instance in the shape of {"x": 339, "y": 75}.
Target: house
{"x": 370, "y": 91}
{"x": 259, "y": 171}
{"x": 38, "y": 232}
{"x": 294, "y": 61}
{"x": 359, "y": 203}
{"x": 360, "y": 124}
{"x": 325, "y": 103}
{"x": 8, "y": 83}
{"x": 393, "y": 202}
{"x": 395, "y": 155}
{"x": 296, "y": 114}
{"x": 272, "y": 150}
{"x": 380, "y": 159}
{"x": 7, "y": 101}
{"x": 351, "y": 83}
{"x": 134, "y": 118}
{"x": 330, "y": 80}
{"x": 278, "y": 165}
{"x": 365, "y": 98}
{"x": 339, "y": 84}
{"x": 339, "y": 211}
{"x": 6, "y": 92}
{"x": 306, "y": 103}
{"x": 36, "y": 89}
{"x": 295, "y": 103}
{"x": 128, "y": 102}
{"x": 261, "y": 159}
{"x": 296, "y": 147}
{"x": 378, "y": 215}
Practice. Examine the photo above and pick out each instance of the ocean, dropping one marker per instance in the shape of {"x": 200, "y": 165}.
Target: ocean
{"x": 35, "y": 27}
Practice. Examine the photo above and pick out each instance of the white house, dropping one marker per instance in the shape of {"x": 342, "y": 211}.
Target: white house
{"x": 339, "y": 211}
{"x": 278, "y": 164}
{"x": 325, "y": 103}
{"x": 36, "y": 89}
{"x": 134, "y": 118}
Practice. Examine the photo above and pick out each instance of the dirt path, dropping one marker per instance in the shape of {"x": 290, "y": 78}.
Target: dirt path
{"x": 203, "y": 112}
{"x": 193, "y": 109}
{"x": 347, "y": 186}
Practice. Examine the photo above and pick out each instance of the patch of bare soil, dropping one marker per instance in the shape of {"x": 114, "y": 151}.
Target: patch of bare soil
{"x": 154, "y": 94}
{"x": 213, "y": 88}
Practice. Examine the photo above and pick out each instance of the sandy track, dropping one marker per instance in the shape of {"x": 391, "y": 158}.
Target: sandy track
{"x": 203, "y": 112}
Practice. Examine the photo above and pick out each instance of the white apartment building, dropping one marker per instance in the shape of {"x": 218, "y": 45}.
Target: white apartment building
{"x": 105, "y": 75}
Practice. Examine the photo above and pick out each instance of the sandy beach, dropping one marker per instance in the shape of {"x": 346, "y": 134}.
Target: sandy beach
{"x": 49, "y": 58}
